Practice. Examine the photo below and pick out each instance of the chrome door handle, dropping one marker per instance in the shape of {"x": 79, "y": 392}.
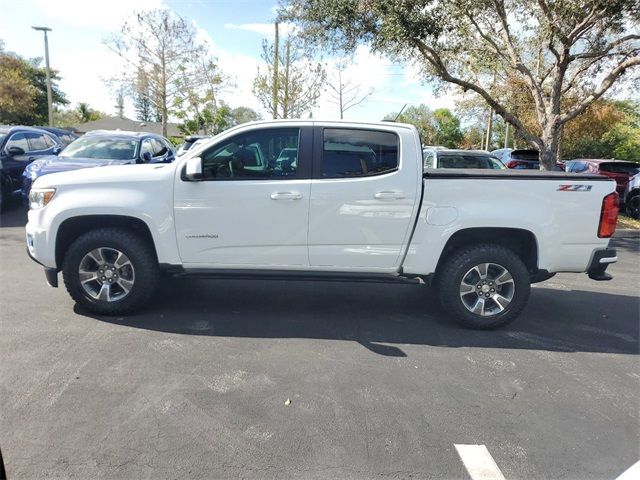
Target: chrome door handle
{"x": 389, "y": 195}
{"x": 286, "y": 196}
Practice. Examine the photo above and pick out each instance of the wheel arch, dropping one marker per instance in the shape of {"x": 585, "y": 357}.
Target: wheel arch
{"x": 522, "y": 242}
{"x": 73, "y": 227}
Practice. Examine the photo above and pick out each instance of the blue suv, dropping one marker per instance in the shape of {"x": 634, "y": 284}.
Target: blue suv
{"x": 19, "y": 146}
{"x": 100, "y": 148}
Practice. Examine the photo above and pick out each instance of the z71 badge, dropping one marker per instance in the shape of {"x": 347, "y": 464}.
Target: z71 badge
{"x": 574, "y": 188}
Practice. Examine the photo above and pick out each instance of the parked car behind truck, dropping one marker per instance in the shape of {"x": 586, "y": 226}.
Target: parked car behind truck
{"x": 19, "y": 146}
{"x": 99, "y": 148}
{"x": 355, "y": 205}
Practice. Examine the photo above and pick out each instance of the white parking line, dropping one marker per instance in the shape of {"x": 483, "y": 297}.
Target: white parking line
{"x": 478, "y": 462}
{"x": 632, "y": 473}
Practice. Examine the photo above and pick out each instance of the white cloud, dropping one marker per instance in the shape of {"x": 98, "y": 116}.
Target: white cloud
{"x": 94, "y": 13}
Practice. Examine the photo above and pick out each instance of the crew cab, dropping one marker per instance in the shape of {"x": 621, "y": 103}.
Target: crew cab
{"x": 344, "y": 201}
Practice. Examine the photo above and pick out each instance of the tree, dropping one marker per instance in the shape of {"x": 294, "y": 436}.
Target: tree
{"x": 81, "y": 114}
{"x": 196, "y": 102}
{"x": 120, "y": 103}
{"x": 240, "y": 115}
{"x": 158, "y": 48}
{"x": 439, "y": 127}
{"x": 344, "y": 93}
{"x": 448, "y": 131}
{"x": 23, "y": 90}
{"x": 555, "y": 48}
{"x": 291, "y": 84}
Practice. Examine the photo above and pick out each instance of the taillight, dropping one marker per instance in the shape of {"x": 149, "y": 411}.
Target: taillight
{"x": 517, "y": 164}
{"x": 608, "y": 215}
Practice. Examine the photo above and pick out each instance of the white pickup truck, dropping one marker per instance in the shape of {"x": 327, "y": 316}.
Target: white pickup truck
{"x": 320, "y": 200}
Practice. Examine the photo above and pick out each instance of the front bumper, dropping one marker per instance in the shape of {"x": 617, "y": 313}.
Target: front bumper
{"x": 599, "y": 263}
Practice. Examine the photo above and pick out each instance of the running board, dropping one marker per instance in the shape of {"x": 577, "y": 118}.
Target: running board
{"x": 233, "y": 274}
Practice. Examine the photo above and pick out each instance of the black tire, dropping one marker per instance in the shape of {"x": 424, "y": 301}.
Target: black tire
{"x": 456, "y": 268}
{"x": 140, "y": 255}
{"x": 633, "y": 207}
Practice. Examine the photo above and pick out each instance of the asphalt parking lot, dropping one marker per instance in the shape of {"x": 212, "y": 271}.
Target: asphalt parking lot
{"x": 380, "y": 383}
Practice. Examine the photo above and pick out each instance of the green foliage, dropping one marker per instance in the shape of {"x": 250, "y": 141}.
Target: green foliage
{"x": 607, "y": 130}
{"x": 23, "y": 90}
{"x": 546, "y": 50}
{"x": 439, "y": 127}
{"x": 72, "y": 116}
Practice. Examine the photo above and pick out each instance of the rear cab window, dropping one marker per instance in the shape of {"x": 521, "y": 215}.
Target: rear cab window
{"x": 358, "y": 153}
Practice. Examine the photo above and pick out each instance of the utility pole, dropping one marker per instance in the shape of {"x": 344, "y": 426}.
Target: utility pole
{"x": 48, "y": 72}
{"x": 506, "y": 135}
{"x": 276, "y": 53}
{"x": 489, "y": 129}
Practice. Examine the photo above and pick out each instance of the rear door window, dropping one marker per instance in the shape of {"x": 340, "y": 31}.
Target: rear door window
{"x": 36, "y": 142}
{"x": 358, "y": 153}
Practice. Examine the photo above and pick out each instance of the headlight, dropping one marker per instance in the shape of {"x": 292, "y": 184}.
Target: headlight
{"x": 39, "y": 197}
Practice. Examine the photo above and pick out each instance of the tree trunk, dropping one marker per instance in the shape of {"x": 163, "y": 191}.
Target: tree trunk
{"x": 549, "y": 149}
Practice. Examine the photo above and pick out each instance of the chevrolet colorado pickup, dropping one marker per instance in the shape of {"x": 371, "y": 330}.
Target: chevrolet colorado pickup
{"x": 320, "y": 200}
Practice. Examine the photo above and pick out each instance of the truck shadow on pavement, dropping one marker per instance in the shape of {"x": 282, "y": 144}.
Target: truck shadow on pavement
{"x": 383, "y": 317}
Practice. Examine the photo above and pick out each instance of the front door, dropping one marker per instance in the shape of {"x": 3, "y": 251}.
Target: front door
{"x": 251, "y": 207}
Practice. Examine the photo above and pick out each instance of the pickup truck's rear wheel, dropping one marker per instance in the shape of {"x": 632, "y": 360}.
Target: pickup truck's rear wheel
{"x": 484, "y": 286}
{"x": 110, "y": 271}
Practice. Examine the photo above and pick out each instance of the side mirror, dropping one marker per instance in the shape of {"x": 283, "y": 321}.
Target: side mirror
{"x": 194, "y": 169}
{"x": 57, "y": 149}
{"x": 146, "y": 157}
{"x": 15, "y": 151}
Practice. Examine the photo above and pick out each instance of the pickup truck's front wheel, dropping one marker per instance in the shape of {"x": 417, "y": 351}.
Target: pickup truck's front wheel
{"x": 110, "y": 271}
{"x": 484, "y": 286}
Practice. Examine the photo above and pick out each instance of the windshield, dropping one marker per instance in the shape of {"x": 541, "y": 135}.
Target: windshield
{"x": 102, "y": 148}
{"x": 620, "y": 167}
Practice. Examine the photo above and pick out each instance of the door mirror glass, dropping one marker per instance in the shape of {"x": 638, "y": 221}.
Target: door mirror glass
{"x": 57, "y": 149}
{"x": 15, "y": 151}
{"x": 194, "y": 168}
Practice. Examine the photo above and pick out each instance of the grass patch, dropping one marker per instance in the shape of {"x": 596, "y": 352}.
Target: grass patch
{"x": 625, "y": 221}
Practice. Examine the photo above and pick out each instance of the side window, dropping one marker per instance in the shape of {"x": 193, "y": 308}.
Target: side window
{"x": 18, "y": 140}
{"x": 49, "y": 141}
{"x": 146, "y": 146}
{"x": 159, "y": 148}
{"x": 358, "y": 153}
{"x": 262, "y": 154}
{"x": 36, "y": 142}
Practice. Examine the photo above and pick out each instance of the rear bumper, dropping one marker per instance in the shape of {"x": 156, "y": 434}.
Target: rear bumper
{"x": 599, "y": 263}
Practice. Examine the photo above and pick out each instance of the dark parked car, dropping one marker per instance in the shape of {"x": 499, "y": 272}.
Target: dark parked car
{"x": 188, "y": 143}
{"x": 632, "y": 196}
{"x": 444, "y": 158}
{"x": 19, "y": 146}
{"x": 100, "y": 148}
{"x": 518, "y": 159}
{"x": 619, "y": 170}
{"x": 65, "y": 136}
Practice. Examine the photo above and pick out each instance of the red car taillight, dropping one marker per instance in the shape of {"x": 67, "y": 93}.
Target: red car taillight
{"x": 515, "y": 163}
{"x": 608, "y": 215}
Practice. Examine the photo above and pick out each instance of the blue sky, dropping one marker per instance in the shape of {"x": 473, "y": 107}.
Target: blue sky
{"x": 234, "y": 28}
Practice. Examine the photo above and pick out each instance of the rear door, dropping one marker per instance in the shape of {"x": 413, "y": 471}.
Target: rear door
{"x": 364, "y": 193}
{"x": 248, "y": 210}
